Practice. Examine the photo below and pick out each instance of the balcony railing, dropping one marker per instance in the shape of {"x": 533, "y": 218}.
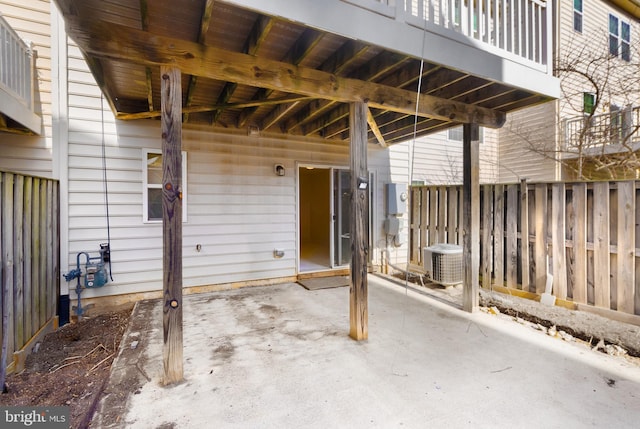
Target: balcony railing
{"x": 517, "y": 28}
{"x": 613, "y": 132}
{"x": 16, "y": 65}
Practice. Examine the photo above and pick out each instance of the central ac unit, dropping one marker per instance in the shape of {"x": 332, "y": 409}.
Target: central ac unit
{"x": 443, "y": 264}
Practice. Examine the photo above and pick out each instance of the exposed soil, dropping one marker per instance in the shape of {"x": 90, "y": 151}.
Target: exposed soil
{"x": 600, "y": 333}
{"x": 70, "y": 367}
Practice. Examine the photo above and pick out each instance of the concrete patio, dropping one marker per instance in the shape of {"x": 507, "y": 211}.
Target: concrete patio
{"x": 280, "y": 357}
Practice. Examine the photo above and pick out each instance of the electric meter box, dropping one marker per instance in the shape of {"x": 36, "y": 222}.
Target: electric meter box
{"x": 396, "y": 198}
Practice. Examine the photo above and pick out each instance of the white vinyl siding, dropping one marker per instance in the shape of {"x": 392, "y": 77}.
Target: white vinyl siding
{"x": 32, "y": 154}
{"x": 438, "y": 157}
{"x": 528, "y": 144}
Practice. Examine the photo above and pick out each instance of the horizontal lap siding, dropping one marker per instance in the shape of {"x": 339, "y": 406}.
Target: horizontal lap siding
{"x": 525, "y": 130}
{"x": 438, "y": 161}
{"x": 32, "y": 154}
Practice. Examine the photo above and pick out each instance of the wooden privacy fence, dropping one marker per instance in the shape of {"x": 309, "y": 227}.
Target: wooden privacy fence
{"x": 29, "y": 250}
{"x": 585, "y": 234}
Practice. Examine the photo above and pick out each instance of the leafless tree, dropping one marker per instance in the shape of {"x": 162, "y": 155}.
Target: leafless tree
{"x": 600, "y": 142}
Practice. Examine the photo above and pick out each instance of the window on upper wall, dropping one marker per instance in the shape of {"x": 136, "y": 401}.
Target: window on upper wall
{"x": 619, "y": 38}
{"x": 152, "y": 186}
{"x": 456, "y": 134}
{"x": 577, "y": 15}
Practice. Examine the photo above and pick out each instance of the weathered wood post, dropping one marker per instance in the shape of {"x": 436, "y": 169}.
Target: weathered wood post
{"x": 171, "y": 95}
{"x": 358, "y": 306}
{"x": 471, "y": 215}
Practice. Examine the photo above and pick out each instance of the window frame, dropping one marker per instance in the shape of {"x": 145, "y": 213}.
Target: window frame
{"x": 146, "y": 185}
{"x": 619, "y": 45}
{"x": 461, "y": 139}
{"x": 578, "y": 15}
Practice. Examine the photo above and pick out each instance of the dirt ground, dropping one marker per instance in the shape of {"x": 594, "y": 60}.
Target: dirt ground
{"x": 70, "y": 367}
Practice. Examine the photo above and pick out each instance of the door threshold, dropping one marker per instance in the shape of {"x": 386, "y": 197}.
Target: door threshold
{"x": 324, "y": 273}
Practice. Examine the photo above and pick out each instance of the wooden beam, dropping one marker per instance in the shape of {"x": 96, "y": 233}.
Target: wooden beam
{"x": 171, "y": 95}
{"x": 374, "y": 128}
{"x": 358, "y": 291}
{"x": 109, "y": 40}
{"x": 258, "y": 34}
{"x": 471, "y": 215}
{"x": 299, "y": 51}
{"x": 197, "y": 109}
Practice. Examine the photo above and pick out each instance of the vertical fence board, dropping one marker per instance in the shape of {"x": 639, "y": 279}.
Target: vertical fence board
{"x": 424, "y": 222}
{"x": 29, "y": 328}
{"x": 452, "y": 215}
{"x": 601, "y": 244}
{"x": 415, "y": 226}
{"x": 512, "y": 237}
{"x": 50, "y": 289}
{"x": 487, "y": 235}
{"x": 35, "y": 254}
{"x": 433, "y": 215}
{"x": 524, "y": 236}
{"x": 498, "y": 235}
{"x": 18, "y": 260}
{"x": 42, "y": 284}
{"x": 626, "y": 246}
{"x": 461, "y": 216}
{"x": 558, "y": 231}
{"x": 442, "y": 213}
{"x": 7, "y": 261}
{"x": 579, "y": 225}
{"x": 613, "y": 244}
{"x": 540, "y": 244}
{"x": 637, "y": 259}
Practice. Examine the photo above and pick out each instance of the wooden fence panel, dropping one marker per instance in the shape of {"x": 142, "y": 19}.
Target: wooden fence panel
{"x": 601, "y": 255}
{"x": 524, "y": 236}
{"x": 626, "y": 247}
{"x": 512, "y": 237}
{"x": 486, "y": 221}
{"x": 416, "y": 226}
{"x": 498, "y": 235}
{"x": 579, "y": 225}
{"x": 29, "y": 253}
{"x": 588, "y": 232}
{"x": 558, "y": 239}
{"x": 540, "y": 244}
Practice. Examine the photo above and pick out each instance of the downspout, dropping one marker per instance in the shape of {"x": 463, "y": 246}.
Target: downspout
{"x": 60, "y": 146}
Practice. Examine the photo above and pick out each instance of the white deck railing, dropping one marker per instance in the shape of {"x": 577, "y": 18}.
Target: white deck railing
{"x": 517, "y": 28}
{"x": 617, "y": 131}
{"x": 16, "y": 65}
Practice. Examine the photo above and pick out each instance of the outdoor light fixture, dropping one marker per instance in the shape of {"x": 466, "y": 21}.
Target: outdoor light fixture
{"x": 279, "y": 169}
{"x": 363, "y": 183}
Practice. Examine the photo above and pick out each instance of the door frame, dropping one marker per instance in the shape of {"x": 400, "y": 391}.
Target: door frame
{"x": 372, "y": 212}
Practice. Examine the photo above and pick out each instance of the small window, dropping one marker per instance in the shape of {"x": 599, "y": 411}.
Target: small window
{"x": 588, "y": 102}
{"x": 619, "y": 38}
{"x": 456, "y": 134}
{"x": 577, "y": 15}
{"x": 152, "y": 186}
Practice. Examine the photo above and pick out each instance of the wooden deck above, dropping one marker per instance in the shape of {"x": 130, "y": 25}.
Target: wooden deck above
{"x": 292, "y": 66}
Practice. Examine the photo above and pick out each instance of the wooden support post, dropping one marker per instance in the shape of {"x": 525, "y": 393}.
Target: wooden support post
{"x": 471, "y": 211}
{"x": 171, "y": 96}
{"x": 358, "y": 308}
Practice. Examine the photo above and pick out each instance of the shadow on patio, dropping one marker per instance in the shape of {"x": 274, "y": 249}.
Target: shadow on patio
{"x": 280, "y": 357}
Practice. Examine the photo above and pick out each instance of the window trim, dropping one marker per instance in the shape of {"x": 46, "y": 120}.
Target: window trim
{"x": 146, "y": 186}
{"x": 620, "y": 42}
{"x": 461, "y": 139}
{"x": 578, "y": 12}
